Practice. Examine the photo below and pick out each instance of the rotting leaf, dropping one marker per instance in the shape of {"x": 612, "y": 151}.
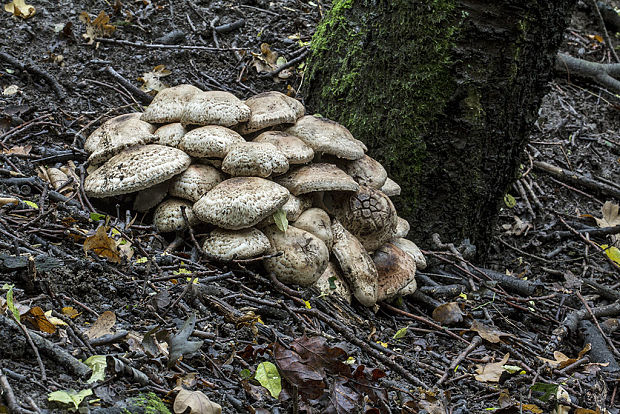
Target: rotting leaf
{"x": 102, "y": 326}
{"x": 196, "y": 401}
{"x": 151, "y": 80}
{"x": 279, "y": 217}
{"x": 268, "y": 376}
{"x": 70, "y": 311}
{"x": 19, "y": 8}
{"x": 491, "y": 372}
{"x": 343, "y": 399}
{"x": 561, "y": 360}
{"x": 70, "y": 396}
{"x": 179, "y": 344}
{"x": 35, "y": 317}
{"x": 96, "y": 28}
{"x": 448, "y": 313}
{"x": 102, "y": 245}
{"x": 489, "y": 333}
{"x": 98, "y": 364}
{"x": 18, "y": 150}
{"x": 308, "y": 380}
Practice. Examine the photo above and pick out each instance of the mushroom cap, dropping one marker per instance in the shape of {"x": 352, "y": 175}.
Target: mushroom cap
{"x": 150, "y": 197}
{"x": 168, "y": 216}
{"x": 294, "y": 149}
{"x": 215, "y": 108}
{"x": 396, "y": 270}
{"x": 210, "y": 141}
{"x": 270, "y": 109}
{"x": 240, "y": 202}
{"x": 402, "y": 228}
{"x": 390, "y": 188}
{"x": 327, "y": 137}
{"x": 357, "y": 266}
{"x": 317, "y": 177}
{"x": 412, "y": 250}
{"x": 167, "y": 106}
{"x": 91, "y": 143}
{"x": 136, "y": 169}
{"x": 258, "y": 159}
{"x": 170, "y": 134}
{"x": 129, "y": 133}
{"x": 331, "y": 282}
{"x": 293, "y": 207}
{"x": 195, "y": 182}
{"x": 369, "y": 215}
{"x": 235, "y": 244}
{"x": 304, "y": 256}
{"x": 317, "y": 222}
{"x": 367, "y": 171}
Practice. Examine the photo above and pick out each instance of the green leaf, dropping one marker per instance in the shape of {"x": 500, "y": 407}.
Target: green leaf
{"x": 11, "y": 303}
{"x": 70, "y": 396}
{"x": 280, "y": 61}
{"x": 400, "y": 333}
{"x": 509, "y": 201}
{"x": 332, "y": 283}
{"x": 612, "y": 252}
{"x": 245, "y": 374}
{"x": 549, "y": 390}
{"x": 280, "y": 219}
{"x": 98, "y": 364}
{"x": 142, "y": 260}
{"x": 268, "y": 376}
{"x": 30, "y": 204}
{"x": 97, "y": 216}
{"x": 513, "y": 369}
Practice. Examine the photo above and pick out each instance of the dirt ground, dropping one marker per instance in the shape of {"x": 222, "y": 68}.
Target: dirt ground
{"x": 490, "y": 347}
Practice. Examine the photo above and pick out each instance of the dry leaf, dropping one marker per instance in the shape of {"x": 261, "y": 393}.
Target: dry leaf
{"x": 151, "y": 80}
{"x": 96, "y": 28}
{"x": 560, "y": 361}
{"x": 196, "y": 401}
{"x": 448, "y": 313}
{"x": 54, "y": 320}
{"x": 488, "y": 333}
{"x": 611, "y": 218}
{"x": 25, "y": 150}
{"x": 102, "y": 245}
{"x": 102, "y": 326}
{"x": 19, "y": 8}
{"x": 70, "y": 311}
{"x": 10, "y": 90}
{"x": 35, "y": 317}
{"x": 491, "y": 372}
{"x": 8, "y": 200}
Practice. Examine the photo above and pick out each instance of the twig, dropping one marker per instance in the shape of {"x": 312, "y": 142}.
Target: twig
{"x": 32, "y": 68}
{"x": 603, "y": 29}
{"x": 288, "y": 64}
{"x": 577, "y": 179}
{"x": 144, "y": 97}
{"x": 601, "y": 73}
{"x": 474, "y": 343}
{"x": 160, "y": 46}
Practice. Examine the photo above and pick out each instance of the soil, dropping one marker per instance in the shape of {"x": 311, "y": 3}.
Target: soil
{"x": 545, "y": 268}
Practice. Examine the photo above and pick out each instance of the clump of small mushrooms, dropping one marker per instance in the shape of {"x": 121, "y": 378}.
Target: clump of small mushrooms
{"x": 263, "y": 178}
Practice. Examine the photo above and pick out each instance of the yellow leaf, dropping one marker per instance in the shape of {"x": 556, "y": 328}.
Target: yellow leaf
{"x": 54, "y": 320}
{"x": 19, "y": 8}
{"x": 612, "y": 252}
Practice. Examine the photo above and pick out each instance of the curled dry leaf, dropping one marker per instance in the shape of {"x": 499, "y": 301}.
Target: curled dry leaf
{"x": 491, "y": 372}
{"x": 19, "y": 8}
{"x": 611, "y": 218}
{"x": 102, "y": 245}
{"x": 99, "y": 27}
{"x": 196, "y": 401}
{"x": 151, "y": 80}
{"x": 36, "y": 319}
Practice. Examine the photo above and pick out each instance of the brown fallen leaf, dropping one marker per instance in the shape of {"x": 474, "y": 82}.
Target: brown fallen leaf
{"x": 18, "y": 150}
{"x": 99, "y": 27}
{"x": 102, "y": 245}
{"x": 102, "y": 326}
{"x": 35, "y": 317}
{"x": 196, "y": 401}
{"x": 70, "y": 311}
{"x": 448, "y": 313}
{"x": 19, "y": 8}
{"x": 152, "y": 80}
{"x": 8, "y": 200}
{"x": 491, "y": 372}
{"x": 611, "y": 218}
{"x": 489, "y": 333}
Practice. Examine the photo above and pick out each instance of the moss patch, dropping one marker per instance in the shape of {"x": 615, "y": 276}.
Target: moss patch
{"x": 148, "y": 404}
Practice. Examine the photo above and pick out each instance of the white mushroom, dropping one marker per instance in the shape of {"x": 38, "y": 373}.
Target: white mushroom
{"x": 317, "y": 177}
{"x": 168, "y": 215}
{"x": 331, "y": 282}
{"x": 390, "y": 188}
{"x": 195, "y": 182}
{"x": 270, "y": 109}
{"x": 91, "y": 143}
{"x": 402, "y": 228}
{"x": 209, "y": 141}
{"x": 170, "y": 134}
{"x": 235, "y": 244}
{"x": 293, "y": 148}
{"x": 215, "y": 108}
{"x": 317, "y": 222}
{"x": 129, "y": 133}
{"x": 293, "y": 207}
{"x": 168, "y": 105}
{"x": 412, "y": 250}
{"x": 258, "y": 159}
{"x": 367, "y": 171}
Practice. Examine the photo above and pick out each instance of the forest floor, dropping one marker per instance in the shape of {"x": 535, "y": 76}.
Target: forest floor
{"x": 490, "y": 347}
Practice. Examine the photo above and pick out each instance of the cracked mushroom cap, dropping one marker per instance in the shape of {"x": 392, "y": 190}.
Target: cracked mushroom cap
{"x": 215, "y": 108}
{"x": 168, "y": 216}
{"x": 129, "y": 133}
{"x": 240, "y": 202}
{"x": 396, "y": 270}
{"x": 331, "y": 282}
{"x": 369, "y": 215}
{"x": 367, "y": 171}
{"x": 357, "y": 266}
{"x": 317, "y": 222}
{"x": 254, "y": 159}
{"x": 170, "y": 134}
{"x": 270, "y": 109}
{"x": 293, "y": 207}
{"x": 195, "y": 182}
{"x": 412, "y": 250}
{"x": 402, "y": 228}
{"x": 136, "y": 169}
{"x": 168, "y": 105}
{"x": 317, "y": 177}
{"x": 327, "y": 137}
{"x": 236, "y": 244}
{"x": 210, "y": 141}
{"x": 293, "y": 148}
{"x": 304, "y": 256}
{"x": 91, "y": 143}
{"x": 390, "y": 188}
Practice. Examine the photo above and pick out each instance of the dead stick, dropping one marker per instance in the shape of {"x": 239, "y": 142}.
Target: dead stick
{"x": 577, "y": 179}
{"x": 459, "y": 358}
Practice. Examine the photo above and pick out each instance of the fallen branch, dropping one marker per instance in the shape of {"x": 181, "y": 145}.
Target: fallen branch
{"x": 602, "y": 73}
{"x": 578, "y": 179}
{"x": 32, "y": 68}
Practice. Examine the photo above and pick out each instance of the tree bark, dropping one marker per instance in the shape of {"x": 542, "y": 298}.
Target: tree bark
{"x": 443, "y": 92}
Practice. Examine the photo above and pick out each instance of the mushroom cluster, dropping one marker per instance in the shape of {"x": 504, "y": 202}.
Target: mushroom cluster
{"x": 245, "y": 170}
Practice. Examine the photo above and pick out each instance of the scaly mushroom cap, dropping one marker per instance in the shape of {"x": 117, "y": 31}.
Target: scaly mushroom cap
{"x": 357, "y": 266}
{"x": 412, "y": 250}
{"x": 304, "y": 256}
{"x": 390, "y": 188}
{"x": 235, "y": 244}
{"x": 167, "y": 106}
{"x": 254, "y": 159}
{"x": 195, "y": 182}
{"x": 241, "y": 202}
{"x": 327, "y": 137}
{"x": 369, "y": 215}
{"x": 136, "y": 169}
{"x": 170, "y": 134}
{"x": 91, "y": 143}
{"x": 402, "y": 228}
{"x": 270, "y": 109}
{"x": 294, "y": 149}
{"x": 210, "y": 141}
{"x": 331, "y": 282}
{"x": 169, "y": 217}
{"x": 317, "y": 222}
{"x": 293, "y": 207}
{"x": 317, "y": 177}
{"x": 129, "y": 133}
{"x": 367, "y": 171}
{"x": 396, "y": 270}
{"x": 215, "y": 108}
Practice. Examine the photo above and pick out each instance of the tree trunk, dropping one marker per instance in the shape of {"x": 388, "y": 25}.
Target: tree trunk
{"x": 443, "y": 92}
